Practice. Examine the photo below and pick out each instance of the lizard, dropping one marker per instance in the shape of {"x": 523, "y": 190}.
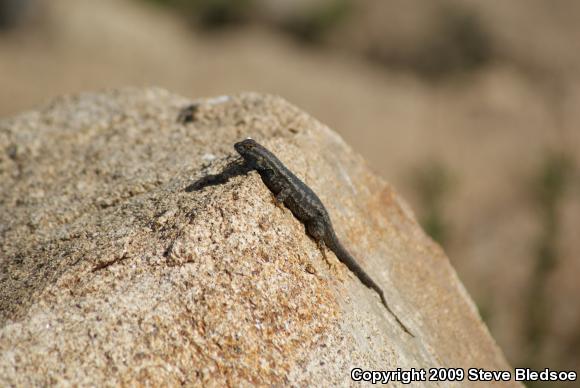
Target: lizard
{"x": 306, "y": 207}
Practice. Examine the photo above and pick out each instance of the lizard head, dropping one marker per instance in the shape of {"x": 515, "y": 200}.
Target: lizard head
{"x": 249, "y": 149}
{"x": 255, "y": 154}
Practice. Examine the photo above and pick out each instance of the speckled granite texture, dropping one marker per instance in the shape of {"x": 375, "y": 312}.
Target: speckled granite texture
{"x": 113, "y": 273}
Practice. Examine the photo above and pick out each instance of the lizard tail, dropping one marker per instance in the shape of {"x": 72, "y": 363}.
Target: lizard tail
{"x": 405, "y": 328}
{"x": 347, "y": 259}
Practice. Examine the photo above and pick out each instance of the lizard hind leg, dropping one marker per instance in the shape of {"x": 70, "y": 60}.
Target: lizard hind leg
{"x": 315, "y": 230}
{"x": 322, "y": 248}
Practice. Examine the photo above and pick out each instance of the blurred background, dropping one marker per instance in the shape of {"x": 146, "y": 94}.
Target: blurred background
{"x": 470, "y": 108}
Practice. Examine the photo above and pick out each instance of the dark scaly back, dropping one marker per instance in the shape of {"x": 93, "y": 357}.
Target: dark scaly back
{"x": 273, "y": 172}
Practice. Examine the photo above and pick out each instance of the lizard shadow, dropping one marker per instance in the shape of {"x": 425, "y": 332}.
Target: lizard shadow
{"x": 233, "y": 169}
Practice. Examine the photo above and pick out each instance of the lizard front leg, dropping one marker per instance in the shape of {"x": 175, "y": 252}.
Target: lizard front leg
{"x": 281, "y": 197}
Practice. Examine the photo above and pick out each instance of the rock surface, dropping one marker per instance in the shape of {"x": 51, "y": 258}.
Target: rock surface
{"x": 112, "y": 272}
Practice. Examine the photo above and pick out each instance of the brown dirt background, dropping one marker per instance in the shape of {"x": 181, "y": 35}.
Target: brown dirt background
{"x": 485, "y": 133}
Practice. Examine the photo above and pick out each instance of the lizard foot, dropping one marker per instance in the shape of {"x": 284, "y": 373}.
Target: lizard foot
{"x": 322, "y": 248}
{"x": 279, "y": 205}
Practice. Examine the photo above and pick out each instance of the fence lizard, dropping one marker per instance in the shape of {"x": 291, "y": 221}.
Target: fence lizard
{"x": 305, "y": 205}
